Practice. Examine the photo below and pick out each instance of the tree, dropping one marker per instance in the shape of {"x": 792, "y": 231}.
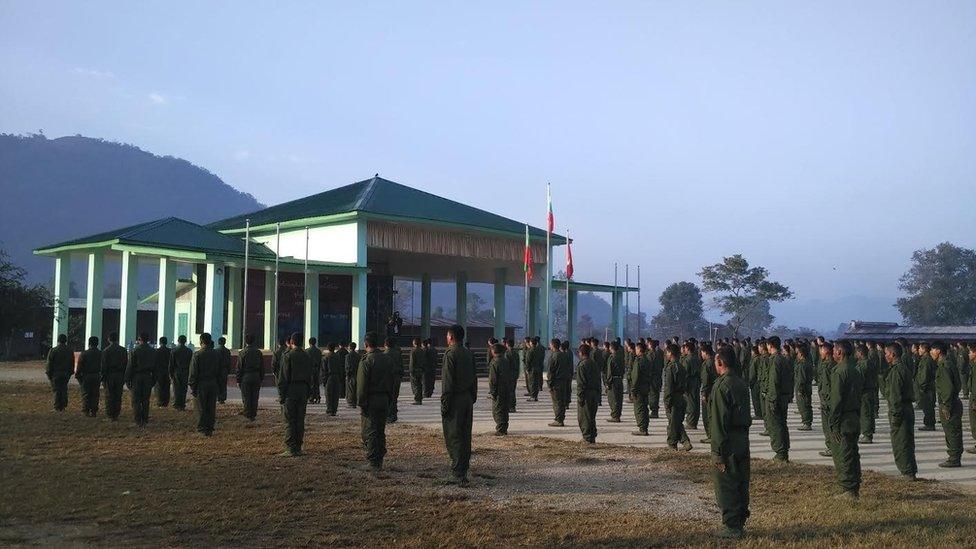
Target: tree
{"x": 23, "y": 308}
{"x": 941, "y": 287}
{"x": 744, "y": 292}
{"x": 478, "y": 309}
{"x": 681, "y": 312}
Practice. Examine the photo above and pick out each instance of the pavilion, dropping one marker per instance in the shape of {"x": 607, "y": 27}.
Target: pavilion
{"x": 337, "y": 255}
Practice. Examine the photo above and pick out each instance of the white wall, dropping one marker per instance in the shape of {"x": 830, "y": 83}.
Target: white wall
{"x": 333, "y": 243}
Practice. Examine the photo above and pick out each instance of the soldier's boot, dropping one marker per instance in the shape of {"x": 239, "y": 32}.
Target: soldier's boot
{"x": 927, "y": 428}
{"x": 705, "y": 440}
{"x": 850, "y": 496}
{"x": 640, "y": 433}
{"x": 911, "y": 477}
{"x": 950, "y": 463}
{"x": 782, "y": 458}
{"x": 866, "y": 439}
{"x": 804, "y": 427}
{"x": 971, "y": 450}
{"x": 826, "y": 453}
{"x": 730, "y": 533}
{"x": 613, "y": 420}
{"x": 655, "y": 415}
{"x": 764, "y": 433}
{"x": 686, "y": 446}
{"x": 557, "y": 424}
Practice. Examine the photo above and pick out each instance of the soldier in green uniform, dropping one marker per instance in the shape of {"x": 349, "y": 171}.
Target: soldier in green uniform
{"x": 843, "y": 419}
{"x": 204, "y": 381}
{"x": 803, "y": 386}
{"x": 335, "y": 374}
{"x": 900, "y": 394}
{"x": 294, "y": 386}
{"x": 692, "y": 364}
{"x": 225, "y": 363}
{"x": 89, "y": 366}
{"x": 825, "y": 368}
{"x": 430, "y": 375}
{"x": 396, "y": 358}
{"x": 459, "y": 391}
{"x": 499, "y": 388}
{"x": 352, "y": 373}
{"x": 417, "y": 366}
{"x": 639, "y": 381}
{"x": 250, "y": 374}
{"x": 656, "y": 356}
{"x": 113, "y": 376}
{"x": 587, "y": 393}
{"x": 60, "y": 366}
{"x": 754, "y": 387}
{"x": 947, "y": 384}
{"x": 512, "y": 360}
{"x": 279, "y": 353}
{"x": 318, "y": 367}
{"x": 140, "y": 376}
{"x": 962, "y": 361}
{"x": 374, "y": 392}
{"x": 675, "y": 381}
{"x": 729, "y": 420}
{"x": 613, "y": 377}
{"x": 971, "y": 350}
{"x": 560, "y": 379}
{"x": 762, "y": 368}
{"x": 162, "y": 358}
{"x": 779, "y": 393}
{"x": 538, "y": 367}
{"x": 869, "y": 399}
{"x": 925, "y": 386}
{"x": 179, "y": 372}
{"x": 708, "y": 375}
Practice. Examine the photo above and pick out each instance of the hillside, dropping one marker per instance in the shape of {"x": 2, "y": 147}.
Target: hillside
{"x": 56, "y": 189}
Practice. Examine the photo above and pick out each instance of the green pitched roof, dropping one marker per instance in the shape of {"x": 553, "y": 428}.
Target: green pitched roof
{"x": 382, "y": 197}
{"x": 170, "y": 232}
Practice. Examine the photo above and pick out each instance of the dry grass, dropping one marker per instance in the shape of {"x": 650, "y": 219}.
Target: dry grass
{"x": 68, "y": 479}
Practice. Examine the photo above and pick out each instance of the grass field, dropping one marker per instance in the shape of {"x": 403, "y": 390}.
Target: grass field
{"x": 68, "y": 479}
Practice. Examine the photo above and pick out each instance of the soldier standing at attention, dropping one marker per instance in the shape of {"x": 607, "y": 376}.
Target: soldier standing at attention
{"x": 396, "y": 358}
{"x": 825, "y": 368}
{"x": 971, "y": 349}
{"x": 335, "y": 372}
{"x": 674, "y": 398}
{"x": 846, "y": 387}
{"x": 60, "y": 366}
{"x": 692, "y": 364}
{"x": 499, "y": 388}
{"x": 538, "y": 366}
{"x": 374, "y": 392}
{"x": 223, "y": 353}
{"x": 430, "y": 375}
{"x": 962, "y": 361}
{"x": 656, "y": 357}
{"x": 352, "y": 372}
{"x": 315, "y": 359}
{"x": 140, "y": 378}
{"x": 162, "y": 373}
{"x": 900, "y": 393}
{"x": 729, "y": 421}
{"x": 947, "y": 386}
{"x": 754, "y": 387}
{"x": 418, "y": 366}
{"x": 803, "y": 385}
{"x": 598, "y": 358}
{"x": 560, "y": 382}
{"x": 459, "y": 391}
{"x": 639, "y": 378}
{"x": 179, "y": 372}
{"x": 869, "y": 398}
{"x": 614, "y": 377}
{"x": 204, "y": 380}
{"x": 925, "y": 383}
{"x": 707, "y": 376}
{"x": 512, "y": 360}
{"x": 779, "y": 393}
{"x": 250, "y": 373}
{"x": 587, "y": 393}
{"x": 113, "y": 376}
{"x": 294, "y": 386}
{"x": 89, "y": 366}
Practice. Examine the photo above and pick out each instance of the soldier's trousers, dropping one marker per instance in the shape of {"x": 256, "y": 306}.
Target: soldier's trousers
{"x": 692, "y": 398}
{"x": 206, "y": 405}
{"x": 902, "y": 423}
{"x": 372, "y": 421}
{"x": 430, "y": 375}
{"x": 179, "y": 394}
{"x": 676, "y": 417}
{"x": 869, "y": 410}
{"x": 732, "y": 490}
{"x": 314, "y": 392}
{"x": 779, "y": 433}
{"x": 141, "y": 390}
{"x": 654, "y": 400}
{"x": 927, "y": 403}
{"x": 823, "y": 427}
{"x": 222, "y": 388}
{"x": 804, "y": 403}
{"x": 351, "y": 391}
{"x": 391, "y": 413}
{"x": 501, "y": 405}
{"x": 972, "y": 418}
{"x": 250, "y": 392}
{"x": 757, "y": 408}
{"x": 704, "y": 414}
{"x": 333, "y": 392}
{"x": 89, "y": 395}
{"x": 587, "y": 404}
{"x": 536, "y": 383}
{"x": 162, "y": 390}
{"x": 113, "y": 395}
{"x": 560, "y": 392}
{"x": 950, "y": 415}
{"x": 964, "y": 377}
{"x": 296, "y": 402}
{"x": 417, "y": 384}
{"x": 513, "y": 387}
{"x": 59, "y": 387}
{"x": 847, "y": 461}
{"x": 615, "y": 397}
{"x": 641, "y": 411}
{"x": 456, "y": 421}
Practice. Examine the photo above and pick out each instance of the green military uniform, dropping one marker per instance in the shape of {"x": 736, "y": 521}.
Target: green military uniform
{"x": 162, "y": 388}
{"x": 825, "y": 369}
{"x": 140, "y": 376}
{"x": 754, "y": 386}
{"x": 900, "y": 394}
{"x": 315, "y": 360}
{"x": 587, "y": 397}
{"x": 692, "y": 365}
{"x": 250, "y": 374}
{"x": 418, "y": 367}
{"x": 88, "y": 375}
{"x": 869, "y": 398}
{"x": 803, "y": 386}
{"x": 779, "y": 393}
{"x": 639, "y": 380}
{"x": 352, "y": 375}
{"x": 512, "y": 360}
{"x": 537, "y": 358}
{"x": 613, "y": 376}
{"x": 459, "y": 391}
{"x": 728, "y": 427}
{"x": 113, "y": 378}
{"x": 657, "y": 378}
{"x": 708, "y": 376}
{"x": 675, "y": 381}
{"x": 431, "y": 374}
{"x": 294, "y": 386}
{"x": 225, "y": 362}
{"x": 335, "y": 373}
{"x": 962, "y": 360}
{"x": 843, "y": 423}
{"x": 204, "y": 381}
{"x": 397, "y": 371}
{"x": 947, "y": 384}
{"x": 374, "y": 392}
{"x": 60, "y": 366}
{"x": 500, "y": 389}
{"x": 925, "y": 383}
{"x": 560, "y": 383}
{"x": 179, "y": 374}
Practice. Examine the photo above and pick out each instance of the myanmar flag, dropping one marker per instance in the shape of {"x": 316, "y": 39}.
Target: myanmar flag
{"x": 527, "y": 259}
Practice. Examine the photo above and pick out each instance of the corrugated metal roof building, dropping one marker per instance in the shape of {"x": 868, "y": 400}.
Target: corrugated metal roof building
{"x": 886, "y": 331}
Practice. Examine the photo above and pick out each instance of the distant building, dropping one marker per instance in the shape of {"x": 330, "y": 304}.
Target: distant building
{"x": 886, "y": 331}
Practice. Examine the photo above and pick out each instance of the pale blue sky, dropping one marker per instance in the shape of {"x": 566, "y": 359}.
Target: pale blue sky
{"x": 672, "y": 133}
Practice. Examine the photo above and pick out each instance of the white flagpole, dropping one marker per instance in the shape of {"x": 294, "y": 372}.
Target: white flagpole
{"x": 568, "y": 320}
{"x": 247, "y": 253}
{"x": 639, "y": 326}
{"x": 547, "y": 333}
{"x": 525, "y": 278}
{"x": 305, "y": 285}
{"x": 626, "y": 299}
{"x": 274, "y": 321}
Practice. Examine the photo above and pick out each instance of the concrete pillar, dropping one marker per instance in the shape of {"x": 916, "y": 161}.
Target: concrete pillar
{"x": 235, "y": 315}
{"x": 500, "y": 275}
{"x": 95, "y": 293}
{"x": 194, "y": 294}
{"x": 571, "y": 300}
{"x": 312, "y": 305}
{"x": 270, "y": 324}
{"x": 213, "y": 304}
{"x": 62, "y": 289}
{"x": 461, "y": 300}
{"x": 425, "y": 299}
{"x": 166, "y": 302}
{"x": 533, "y": 328}
{"x": 129, "y": 302}
{"x": 358, "y": 316}
{"x": 616, "y": 313}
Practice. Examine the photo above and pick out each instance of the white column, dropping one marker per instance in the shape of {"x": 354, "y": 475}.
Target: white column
{"x": 213, "y": 313}
{"x": 234, "y": 302}
{"x": 500, "y": 276}
{"x": 425, "y": 306}
{"x": 359, "y": 286}
{"x": 95, "y": 293}
{"x": 270, "y": 295}
{"x": 129, "y": 302}
{"x": 62, "y": 289}
{"x": 166, "y": 302}
{"x": 461, "y": 300}
{"x": 312, "y": 305}
{"x": 194, "y": 312}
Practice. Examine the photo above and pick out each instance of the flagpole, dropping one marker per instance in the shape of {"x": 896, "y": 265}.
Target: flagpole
{"x": 614, "y": 298}
{"x": 639, "y": 327}
{"x": 247, "y": 253}
{"x": 525, "y": 280}
{"x": 568, "y": 320}
{"x": 274, "y": 321}
{"x": 626, "y": 299}
{"x": 548, "y": 331}
{"x": 305, "y": 286}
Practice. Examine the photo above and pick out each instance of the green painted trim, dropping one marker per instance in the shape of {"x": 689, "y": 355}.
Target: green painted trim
{"x": 557, "y": 240}
{"x": 162, "y": 252}
{"x": 75, "y": 247}
{"x": 317, "y": 221}
{"x": 560, "y": 285}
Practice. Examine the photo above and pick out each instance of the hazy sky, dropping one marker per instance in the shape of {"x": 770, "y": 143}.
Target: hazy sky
{"x": 824, "y": 140}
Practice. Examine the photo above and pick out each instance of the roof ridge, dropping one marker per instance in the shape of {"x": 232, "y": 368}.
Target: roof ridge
{"x": 139, "y": 229}
{"x": 367, "y": 193}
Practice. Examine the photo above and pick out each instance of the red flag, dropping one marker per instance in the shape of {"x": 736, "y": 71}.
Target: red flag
{"x": 527, "y": 259}
{"x": 569, "y": 259}
{"x": 551, "y": 219}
